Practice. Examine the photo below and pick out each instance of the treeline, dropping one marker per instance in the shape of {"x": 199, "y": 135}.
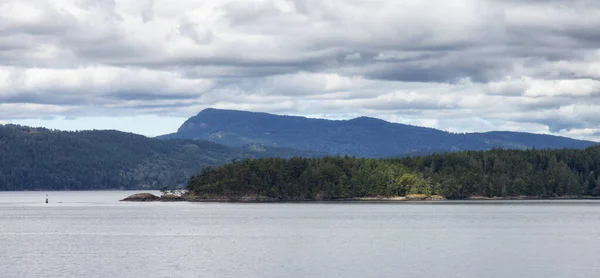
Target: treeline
{"x": 496, "y": 172}
{"x": 44, "y": 159}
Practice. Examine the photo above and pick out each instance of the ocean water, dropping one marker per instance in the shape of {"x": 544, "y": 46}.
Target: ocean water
{"x": 91, "y": 234}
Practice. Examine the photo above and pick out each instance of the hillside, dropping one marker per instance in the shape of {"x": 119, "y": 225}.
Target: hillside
{"x": 363, "y": 137}
{"x": 38, "y": 158}
{"x": 492, "y": 173}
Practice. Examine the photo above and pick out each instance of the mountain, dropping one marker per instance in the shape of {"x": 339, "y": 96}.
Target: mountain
{"x": 364, "y": 136}
{"x": 39, "y": 158}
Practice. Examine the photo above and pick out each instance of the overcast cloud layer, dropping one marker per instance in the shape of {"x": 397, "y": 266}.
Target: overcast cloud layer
{"x": 465, "y": 65}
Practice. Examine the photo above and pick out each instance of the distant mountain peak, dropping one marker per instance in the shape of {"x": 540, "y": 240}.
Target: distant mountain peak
{"x": 362, "y": 136}
{"x": 367, "y": 119}
{"x": 369, "y": 122}
{"x": 210, "y": 109}
{"x": 227, "y": 111}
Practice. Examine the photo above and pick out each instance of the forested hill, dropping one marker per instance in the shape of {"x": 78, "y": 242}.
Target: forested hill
{"x": 363, "y": 137}
{"x": 38, "y": 158}
{"x": 497, "y": 172}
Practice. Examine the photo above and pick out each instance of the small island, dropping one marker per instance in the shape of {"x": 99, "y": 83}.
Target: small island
{"x": 495, "y": 174}
{"x": 149, "y": 197}
{"x": 188, "y": 197}
{"x": 142, "y": 197}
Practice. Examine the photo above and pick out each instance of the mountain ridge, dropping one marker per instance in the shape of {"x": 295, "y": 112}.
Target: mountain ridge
{"x": 44, "y": 159}
{"x": 362, "y": 136}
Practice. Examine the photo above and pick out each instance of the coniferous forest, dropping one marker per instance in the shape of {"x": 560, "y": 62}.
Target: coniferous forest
{"x": 44, "y": 159}
{"x": 497, "y": 172}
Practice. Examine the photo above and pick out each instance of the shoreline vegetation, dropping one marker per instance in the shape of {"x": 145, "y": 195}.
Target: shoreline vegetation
{"x": 148, "y": 197}
{"x": 496, "y": 174}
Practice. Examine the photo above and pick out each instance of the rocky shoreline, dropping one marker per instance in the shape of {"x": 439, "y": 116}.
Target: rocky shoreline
{"x": 148, "y": 197}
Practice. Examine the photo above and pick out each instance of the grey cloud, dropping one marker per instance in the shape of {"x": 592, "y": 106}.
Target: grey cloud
{"x": 227, "y": 74}
{"x": 54, "y": 98}
{"x": 431, "y": 59}
{"x": 197, "y": 33}
{"x": 440, "y": 69}
{"x": 146, "y": 95}
{"x": 424, "y": 74}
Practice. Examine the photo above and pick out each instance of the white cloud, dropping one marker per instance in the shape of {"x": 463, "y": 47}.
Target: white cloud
{"x": 574, "y": 87}
{"x": 353, "y": 57}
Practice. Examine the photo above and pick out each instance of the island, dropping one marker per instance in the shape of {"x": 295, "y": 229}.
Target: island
{"x": 495, "y": 174}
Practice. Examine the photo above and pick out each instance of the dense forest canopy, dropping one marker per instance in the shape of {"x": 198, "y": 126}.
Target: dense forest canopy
{"x": 496, "y": 172}
{"x": 39, "y": 158}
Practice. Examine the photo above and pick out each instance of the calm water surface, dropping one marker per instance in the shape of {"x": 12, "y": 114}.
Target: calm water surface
{"x": 91, "y": 234}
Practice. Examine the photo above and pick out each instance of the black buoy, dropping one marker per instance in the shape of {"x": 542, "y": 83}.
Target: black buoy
{"x": 46, "y": 198}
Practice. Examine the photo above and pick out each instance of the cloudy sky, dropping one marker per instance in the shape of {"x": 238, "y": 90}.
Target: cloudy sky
{"x": 146, "y": 65}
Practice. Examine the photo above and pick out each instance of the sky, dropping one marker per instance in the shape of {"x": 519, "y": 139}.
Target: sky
{"x": 144, "y": 66}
